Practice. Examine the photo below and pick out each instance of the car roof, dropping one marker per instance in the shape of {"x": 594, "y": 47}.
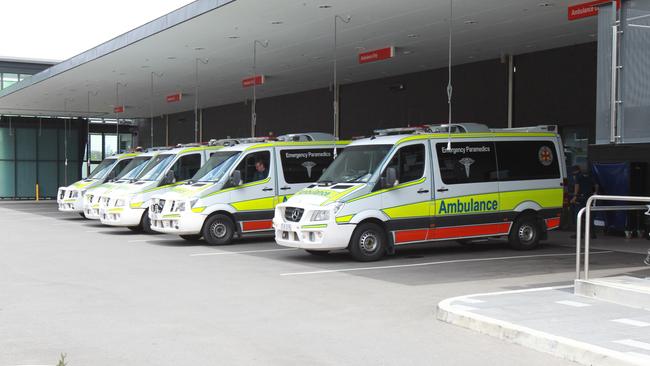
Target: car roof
{"x": 397, "y": 139}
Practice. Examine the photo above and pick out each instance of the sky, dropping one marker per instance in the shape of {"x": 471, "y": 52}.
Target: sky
{"x": 58, "y": 30}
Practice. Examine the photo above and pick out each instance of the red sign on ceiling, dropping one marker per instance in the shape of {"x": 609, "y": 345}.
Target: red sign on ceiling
{"x": 118, "y": 109}
{"x": 252, "y": 80}
{"x": 174, "y": 97}
{"x": 377, "y": 55}
{"x": 589, "y": 9}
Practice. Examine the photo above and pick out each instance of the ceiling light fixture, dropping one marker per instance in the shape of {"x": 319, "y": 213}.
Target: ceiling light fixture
{"x": 276, "y": 22}
{"x": 171, "y": 57}
{"x": 324, "y": 6}
{"x": 470, "y": 21}
{"x": 413, "y": 35}
{"x": 199, "y": 48}
{"x": 544, "y": 5}
{"x": 233, "y": 37}
{"x": 407, "y": 52}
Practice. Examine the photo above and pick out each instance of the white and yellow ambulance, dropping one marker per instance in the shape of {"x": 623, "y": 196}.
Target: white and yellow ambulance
{"x": 235, "y": 193}
{"x": 127, "y": 204}
{"x": 388, "y": 191}
{"x": 130, "y": 173}
{"x": 70, "y": 198}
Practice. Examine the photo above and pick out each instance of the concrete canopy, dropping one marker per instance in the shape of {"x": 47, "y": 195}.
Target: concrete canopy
{"x": 299, "y": 56}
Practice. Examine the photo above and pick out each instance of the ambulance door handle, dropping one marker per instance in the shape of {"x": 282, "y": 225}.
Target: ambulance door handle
{"x": 421, "y": 190}
{"x": 285, "y": 188}
{"x": 266, "y": 189}
{"x": 442, "y": 189}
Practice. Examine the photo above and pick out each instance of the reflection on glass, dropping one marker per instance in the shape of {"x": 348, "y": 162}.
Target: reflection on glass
{"x": 102, "y": 169}
{"x": 110, "y": 145}
{"x": 9, "y": 79}
{"x": 214, "y": 169}
{"x": 134, "y": 168}
{"x": 156, "y": 167}
{"x": 96, "y": 147}
{"x": 355, "y": 164}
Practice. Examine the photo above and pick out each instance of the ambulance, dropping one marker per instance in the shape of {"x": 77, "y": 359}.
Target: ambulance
{"x": 385, "y": 192}
{"x": 127, "y": 204}
{"x": 130, "y": 173}
{"x": 235, "y": 193}
{"x": 70, "y": 198}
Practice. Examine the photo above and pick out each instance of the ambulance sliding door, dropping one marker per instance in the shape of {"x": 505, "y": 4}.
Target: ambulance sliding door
{"x": 300, "y": 166}
{"x": 466, "y": 191}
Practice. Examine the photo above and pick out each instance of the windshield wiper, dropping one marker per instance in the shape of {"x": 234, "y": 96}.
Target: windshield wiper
{"x": 326, "y": 182}
{"x": 354, "y": 179}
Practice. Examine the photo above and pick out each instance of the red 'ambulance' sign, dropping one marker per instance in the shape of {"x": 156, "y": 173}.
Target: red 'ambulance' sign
{"x": 253, "y": 80}
{"x": 118, "y": 109}
{"x": 174, "y": 98}
{"x": 589, "y": 9}
{"x": 377, "y": 55}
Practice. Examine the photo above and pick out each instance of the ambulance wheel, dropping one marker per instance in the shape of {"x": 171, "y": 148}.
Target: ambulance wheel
{"x": 218, "y": 230}
{"x": 465, "y": 242}
{"x": 146, "y": 223}
{"x": 195, "y": 237}
{"x": 135, "y": 228}
{"x": 82, "y": 214}
{"x": 525, "y": 233}
{"x": 368, "y": 242}
{"x": 320, "y": 253}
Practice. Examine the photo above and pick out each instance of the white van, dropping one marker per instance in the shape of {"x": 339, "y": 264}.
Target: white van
{"x": 389, "y": 191}
{"x": 236, "y": 192}
{"x": 127, "y": 204}
{"x": 130, "y": 173}
{"x": 70, "y": 198}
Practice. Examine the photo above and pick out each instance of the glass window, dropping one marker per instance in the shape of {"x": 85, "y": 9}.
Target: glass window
{"x": 218, "y": 164}
{"x": 26, "y": 179}
{"x": 156, "y": 167}
{"x": 110, "y": 145}
{"x": 135, "y": 167}
{"x": 6, "y": 144}
{"x": 126, "y": 141}
{"x": 96, "y": 147}
{"x": 7, "y": 175}
{"x": 186, "y": 167}
{"x": 9, "y": 79}
{"x": 255, "y": 166}
{"x": 47, "y": 175}
{"x": 47, "y": 144}
{"x": 305, "y": 166}
{"x": 26, "y": 143}
{"x": 102, "y": 169}
{"x": 408, "y": 162}
{"x": 527, "y": 160}
{"x": 467, "y": 162}
{"x": 118, "y": 168}
{"x": 355, "y": 164}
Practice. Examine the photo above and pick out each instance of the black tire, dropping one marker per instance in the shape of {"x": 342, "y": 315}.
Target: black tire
{"x": 320, "y": 253}
{"x": 465, "y": 242}
{"x": 218, "y": 230}
{"x": 83, "y": 215}
{"x": 368, "y": 242}
{"x": 145, "y": 223}
{"x": 525, "y": 233}
{"x": 194, "y": 237}
{"x": 136, "y": 229}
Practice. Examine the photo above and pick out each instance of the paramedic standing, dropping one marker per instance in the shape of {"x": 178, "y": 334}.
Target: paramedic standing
{"x": 583, "y": 188}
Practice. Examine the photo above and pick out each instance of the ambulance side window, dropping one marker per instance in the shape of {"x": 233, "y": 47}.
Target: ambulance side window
{"x": 527, "y": 160}
{"x": 409, "y": 162}
{"x": 467, "y": 162}
{"x": 186, "y": 166}
{"x": 255, "y": 166}
{"x": 306, "y": 165}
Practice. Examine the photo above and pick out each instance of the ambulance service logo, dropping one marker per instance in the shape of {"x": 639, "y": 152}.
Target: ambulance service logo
{"x": 545, "y": 155}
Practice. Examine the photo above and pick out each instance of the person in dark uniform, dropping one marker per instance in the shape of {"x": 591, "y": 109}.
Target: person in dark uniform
{"x": 260, "y": 171}
{"x": 583, "y": 187}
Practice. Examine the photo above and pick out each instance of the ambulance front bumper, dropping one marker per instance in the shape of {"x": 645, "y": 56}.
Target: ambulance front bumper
{"x": 91, "y": 211}
{"x": 120, "y": 216}
{"x": 316, "y": 235}
{"x": 179, "y": 223}
{"x": 70, "y": 204}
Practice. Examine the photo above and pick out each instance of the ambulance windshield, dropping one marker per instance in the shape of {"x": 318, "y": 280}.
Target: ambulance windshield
{"x": 356, "y": 164}
{"x": 102, "y": 169}
{"x": 216, "y": 167}
{"x": 134, "y": 168}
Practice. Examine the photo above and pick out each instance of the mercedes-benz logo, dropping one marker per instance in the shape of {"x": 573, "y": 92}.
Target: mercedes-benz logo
{"x": 295, "y": 215}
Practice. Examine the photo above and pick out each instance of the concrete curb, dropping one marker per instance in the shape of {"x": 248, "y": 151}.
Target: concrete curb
{"x": 566, "y": 348}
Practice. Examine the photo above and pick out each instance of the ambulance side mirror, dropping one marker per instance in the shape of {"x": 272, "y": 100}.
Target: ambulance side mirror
{"x": 169, "y": 178}
{"x": 389, "y": 179}
{"x": 235, "y": 178}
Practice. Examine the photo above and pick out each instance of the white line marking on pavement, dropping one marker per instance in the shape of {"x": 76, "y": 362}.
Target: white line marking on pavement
{"x": 636, "y": 323}
{"x": 469, "y": 300}
{"x": 575, "y": 304}
{"x": 463, "y": 307}
{"x": 641, "y": 356}
{"x": 150, "y": 239}
{"x": 244, "y": 252}
{"x": 633, "y": 343}
{"x": 436, "y": 263}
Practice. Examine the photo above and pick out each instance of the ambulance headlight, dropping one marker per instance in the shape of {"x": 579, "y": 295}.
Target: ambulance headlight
{"x": 74, "y": 194}
{"x": 320, "y": 215}
{"x": 119, "y": 203}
